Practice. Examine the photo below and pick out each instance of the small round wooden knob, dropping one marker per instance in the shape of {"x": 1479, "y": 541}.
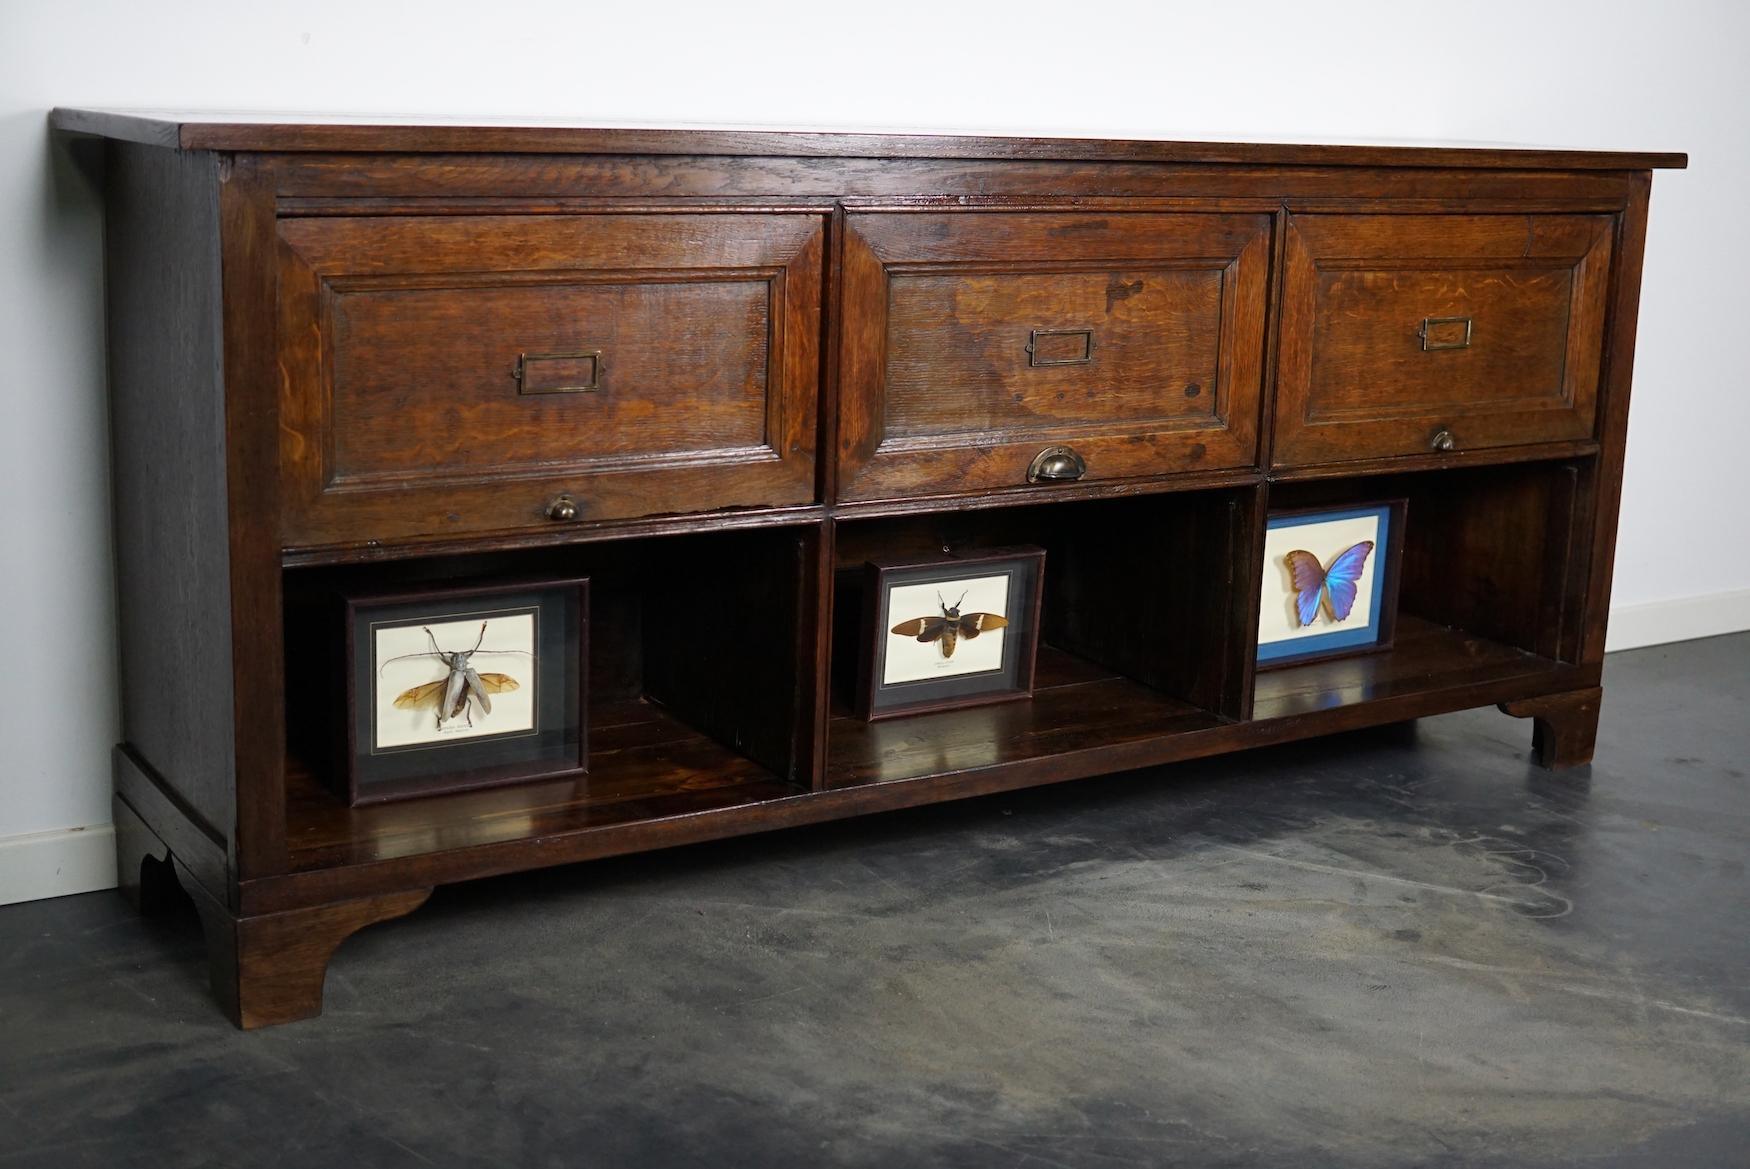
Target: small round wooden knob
{"x": 1443, "y": 441}
{"x": 1056, "y": 464}
{"x": 562, "y": 510}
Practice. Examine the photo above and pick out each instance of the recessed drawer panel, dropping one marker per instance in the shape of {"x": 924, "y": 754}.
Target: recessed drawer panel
{"x": 460, "y": 375}
{"x": 1409, "y": 334}
{"x": 976, "y": 340}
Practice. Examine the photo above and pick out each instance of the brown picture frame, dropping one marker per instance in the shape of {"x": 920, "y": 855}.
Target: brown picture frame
{"x": 555, "y": 747}
{"x": 1012, "y": 680}
{"x": 1387, "y": 569}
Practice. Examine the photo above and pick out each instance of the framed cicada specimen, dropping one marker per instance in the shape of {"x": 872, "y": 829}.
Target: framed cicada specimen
{"x": 465, "y": 687}
{"x": 946, "y": 633}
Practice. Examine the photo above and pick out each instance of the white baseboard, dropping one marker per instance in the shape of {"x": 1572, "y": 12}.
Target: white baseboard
{"x": 80, "y": 860}
{"x": 55, "y": 864}
{"x": 1683, "y": 619}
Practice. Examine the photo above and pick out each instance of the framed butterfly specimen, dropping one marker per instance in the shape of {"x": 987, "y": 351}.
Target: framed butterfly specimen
{"x": 1330, "y": 581}
{"x": 464, "y": 687}
{"x": 947, "y": 633}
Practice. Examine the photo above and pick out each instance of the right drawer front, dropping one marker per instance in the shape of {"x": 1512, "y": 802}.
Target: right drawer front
{"x": 1404, "y": 334}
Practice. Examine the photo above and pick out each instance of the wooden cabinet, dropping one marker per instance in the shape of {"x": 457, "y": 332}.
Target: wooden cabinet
{"x": 718, "y": 372}
{"x": 1409, "y": 333}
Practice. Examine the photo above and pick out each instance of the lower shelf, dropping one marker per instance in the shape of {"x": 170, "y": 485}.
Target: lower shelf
{"x": 1426, "y": 662}
{"x": 644, "y": 765}
{"x": 1076, "y": 705}
{"x": 655, "y": 781}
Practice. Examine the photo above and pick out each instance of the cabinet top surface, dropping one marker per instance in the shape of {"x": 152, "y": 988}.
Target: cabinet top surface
{"x": 233, "y": 131}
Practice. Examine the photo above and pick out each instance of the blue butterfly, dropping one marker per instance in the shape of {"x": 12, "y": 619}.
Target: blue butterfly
{"x": 1334, "y": 585}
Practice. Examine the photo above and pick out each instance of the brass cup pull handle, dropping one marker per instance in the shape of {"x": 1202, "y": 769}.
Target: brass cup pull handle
{"x": 1443, "y": 441}
{"x": 562, "y": 510}
{"x": 1056, "y": 464}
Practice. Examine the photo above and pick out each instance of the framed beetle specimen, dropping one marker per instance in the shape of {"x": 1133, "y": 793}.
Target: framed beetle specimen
{"x": 1330, "y": 581}
{"x": 464, "y": 687}
{"x": 947, "y": 633}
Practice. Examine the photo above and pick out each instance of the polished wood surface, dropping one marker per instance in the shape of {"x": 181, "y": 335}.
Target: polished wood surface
{"x": 191, "y": 130}
{"x": 971, "y": 340}
{"x": 1396, "y": 329}
{"x": 404, "y": 414}
{"x": 347, "y": 354}
{"x": 1564, "y": 726}
{"x": 174, "y": 616}
{"x": 643, "y": 764}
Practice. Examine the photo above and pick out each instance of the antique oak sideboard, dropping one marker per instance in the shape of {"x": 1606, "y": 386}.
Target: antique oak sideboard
{"x": 817, "y": 350}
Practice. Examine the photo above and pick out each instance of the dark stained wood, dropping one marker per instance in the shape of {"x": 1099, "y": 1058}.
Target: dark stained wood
{"x": 1154, "y": 589}
{"x": 1490, "y": 550}
{"x": 1074, "y": 705}
{"x": 644, "y": 762}
{"x": 145, "y": 872}
{"x": 728, "y": 642}
{"x": 1433, "y": 461}
{"x": 168, "y": 449}
{"x": 877, "y": 184}
{"x": 269, "y": 969}
{"x": 555, "y": 536}
{"x": 269, "y": 131}
{"x": 252, "y": 500}
{"x": 315, "y": 332}
{"x": 403, "y": 415}
{"x": 1113, "y": 725}
{"x": 946, "y": 383}
{"x": 1564, "y": 726}
{"x": 1513, "y": 311}
{"x": 1605, "y": 498}
{"x": 151, "y": 797}
{"x": 1426, "y": 661}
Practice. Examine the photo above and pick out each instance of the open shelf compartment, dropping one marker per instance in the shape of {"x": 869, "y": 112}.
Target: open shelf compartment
{"x": 699, "y": 695}
{"x": 1143, "y": 634}
{"x": 1489, "y": 597}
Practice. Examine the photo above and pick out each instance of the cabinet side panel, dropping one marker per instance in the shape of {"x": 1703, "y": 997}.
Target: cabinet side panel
{"x": 167, "y": 426}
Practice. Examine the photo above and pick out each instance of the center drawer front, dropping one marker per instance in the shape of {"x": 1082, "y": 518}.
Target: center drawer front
{"x": 455, "y": 375}
{"x": 1405, "y": 334}
{"x": 975, "y": 339}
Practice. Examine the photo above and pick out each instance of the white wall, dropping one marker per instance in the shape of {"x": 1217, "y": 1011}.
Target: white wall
{"x": 1585, "y": 73}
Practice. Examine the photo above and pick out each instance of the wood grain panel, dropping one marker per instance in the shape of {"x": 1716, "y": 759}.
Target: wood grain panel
{"x": 1399, "y": 329}
{"x": 167, "y": 425}
{"x": 947, "y": 385}
{"x": 191, "y": 129}
{"x": 424, "y": 380}
{"x": 958, "y": 361}
{"x": 403, "y": 414}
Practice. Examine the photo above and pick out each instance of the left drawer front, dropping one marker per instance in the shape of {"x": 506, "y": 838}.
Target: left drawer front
{"x": 456, "y": 375}
{"x": 1410, "y": 334}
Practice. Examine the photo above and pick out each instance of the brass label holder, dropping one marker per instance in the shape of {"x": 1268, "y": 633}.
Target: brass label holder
{"x": 1034, "y": 336}
{"x": 1427, "y": 328}
{"x": 559, "y": 373}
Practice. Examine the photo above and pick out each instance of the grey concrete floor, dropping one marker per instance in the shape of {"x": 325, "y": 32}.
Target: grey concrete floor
{"x": 1404, "y": 947}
